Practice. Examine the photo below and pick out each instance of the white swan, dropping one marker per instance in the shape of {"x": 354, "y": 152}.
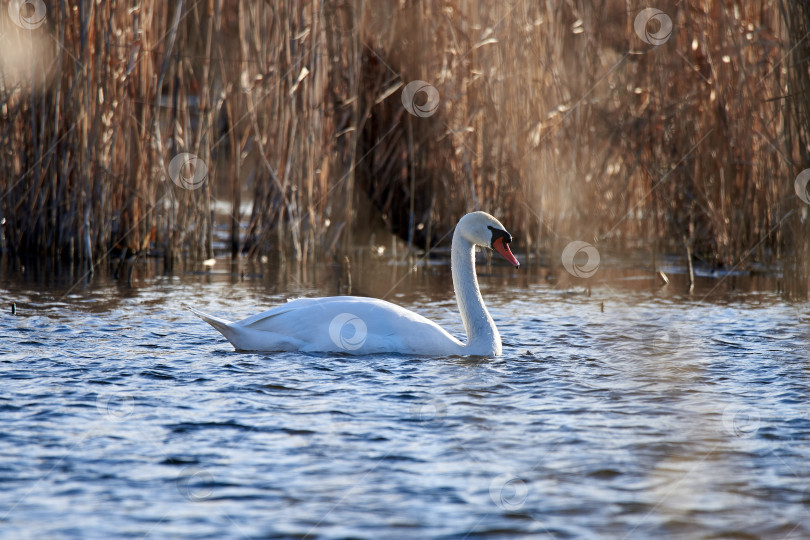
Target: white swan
{"x": 356, "y": 325}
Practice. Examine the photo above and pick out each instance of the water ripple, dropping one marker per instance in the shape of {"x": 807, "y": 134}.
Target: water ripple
{"x": 657, "y": 418}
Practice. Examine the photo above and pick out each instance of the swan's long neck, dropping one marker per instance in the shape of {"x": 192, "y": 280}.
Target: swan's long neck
{"x": 482, "y": 335}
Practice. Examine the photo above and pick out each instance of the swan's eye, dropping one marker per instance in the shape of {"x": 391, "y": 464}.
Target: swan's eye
{"x": 498, "y": 233}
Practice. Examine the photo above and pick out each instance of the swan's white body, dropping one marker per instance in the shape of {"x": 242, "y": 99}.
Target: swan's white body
{"x": 356, "y": 325}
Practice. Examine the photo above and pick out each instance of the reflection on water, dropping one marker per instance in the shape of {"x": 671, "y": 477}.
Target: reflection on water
{"x": 620, "y": 409}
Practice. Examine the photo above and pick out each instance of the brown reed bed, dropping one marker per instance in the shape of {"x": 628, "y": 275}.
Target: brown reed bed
{"x": 795, "y": 257}
{"x": 557, "y": 117}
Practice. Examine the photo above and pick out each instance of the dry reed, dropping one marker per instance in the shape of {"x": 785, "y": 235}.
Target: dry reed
{"x": 555, "y": 116}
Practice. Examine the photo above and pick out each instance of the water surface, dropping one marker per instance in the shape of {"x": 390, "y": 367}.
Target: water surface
{"x": 622, "y": 411}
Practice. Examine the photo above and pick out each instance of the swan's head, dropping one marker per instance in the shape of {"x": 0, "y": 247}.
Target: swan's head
{"x": 484, "y": 230}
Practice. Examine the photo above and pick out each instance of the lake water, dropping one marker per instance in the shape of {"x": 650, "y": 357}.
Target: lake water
{"x": 629, "y": 411}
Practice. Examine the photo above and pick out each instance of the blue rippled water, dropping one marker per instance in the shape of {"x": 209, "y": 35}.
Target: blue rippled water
{"x": 615, "y": 415}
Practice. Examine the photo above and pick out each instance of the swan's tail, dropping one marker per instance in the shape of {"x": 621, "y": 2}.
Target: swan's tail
{"x": 225, "y": 327}
{"x": 244, "y": 337}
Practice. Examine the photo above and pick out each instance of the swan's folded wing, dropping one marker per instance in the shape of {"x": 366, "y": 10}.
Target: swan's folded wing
{"x": 299, "y": 310}
{"x": 261, "y": 320}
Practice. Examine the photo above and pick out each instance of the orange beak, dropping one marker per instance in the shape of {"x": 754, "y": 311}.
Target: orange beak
{"x": 503, "y": 248}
